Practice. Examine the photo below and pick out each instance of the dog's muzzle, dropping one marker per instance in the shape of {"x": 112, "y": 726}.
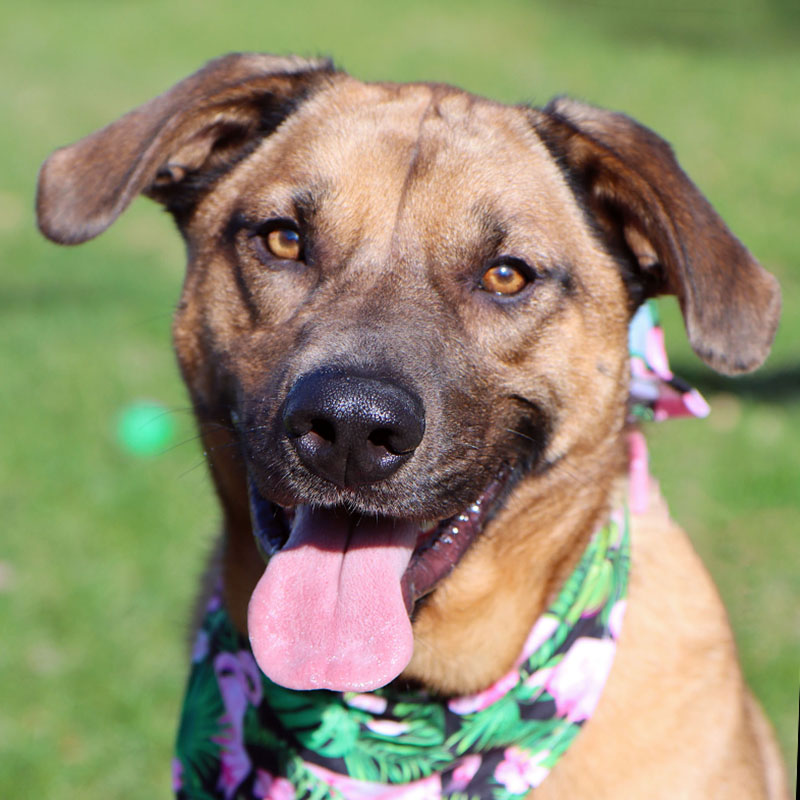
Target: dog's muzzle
{"x": 333, "y": 607}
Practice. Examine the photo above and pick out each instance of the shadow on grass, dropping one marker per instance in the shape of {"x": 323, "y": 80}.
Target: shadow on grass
{"x": 780, "y": 385}
{"x": 722, "y": 25}
{"x": 54, "y": 296}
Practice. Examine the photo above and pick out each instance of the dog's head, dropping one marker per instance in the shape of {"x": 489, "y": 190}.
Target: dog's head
{"x": 402, "y": 303}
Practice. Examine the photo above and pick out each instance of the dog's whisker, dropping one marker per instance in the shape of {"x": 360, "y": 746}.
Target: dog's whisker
{"x": 522, "y": 435}
{"x": 184, "y": 442}
{"x": 577, "y": 478}
{"x": 216, "y": 425}
{"x": 201, "y": 463}
{"x": 207, "y": 452}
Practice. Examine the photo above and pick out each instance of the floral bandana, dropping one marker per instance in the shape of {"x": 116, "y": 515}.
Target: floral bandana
{"x": 242, "y": 736}
{"x": 655, "y": 393}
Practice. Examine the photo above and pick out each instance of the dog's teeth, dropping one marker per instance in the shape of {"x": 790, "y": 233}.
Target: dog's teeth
{"x": 428, "y": 526}
{"x": 475, "y": 507}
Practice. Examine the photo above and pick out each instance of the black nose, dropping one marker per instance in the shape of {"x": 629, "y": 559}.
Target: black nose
{"x": 352, "y": 430}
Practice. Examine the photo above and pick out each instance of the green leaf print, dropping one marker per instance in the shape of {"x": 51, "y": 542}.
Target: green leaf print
{"x": 200, "y": 722}
{"x": 256, "y": 733}
{"x": 600, "y": 581}
{"x": 323, "y": 726}
{"x": 593, "y": 572}
{"x": 226, "y": 637}
{"x": 544, "y": 655}
{"x": 393, "y": 761}
{"x": 563, "y": 737}
{"x": 307, "y": 785}
{"x": 540, "y": 734}
{"x": 334, "y": 735}
{"x": 494, "y": 726}
{"x": 566, "y": 597}
{"x": 295, "y": 708}
{"x": 425, "y": 722}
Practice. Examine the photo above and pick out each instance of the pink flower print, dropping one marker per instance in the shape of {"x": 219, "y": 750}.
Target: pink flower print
{"x": 520, "y": 771}
{"x": 239, "y": 682}
{"x": 672, "y": 403}
{"x": 696, "y": 404}
{"x": 656, "y": 354}
{"x": 538, "y": 681}
{"x": 235, "y": 764}
{"x": 268, "y": 787}
{"x": 239, "y": 678}
{"x": 645, "y": 390}
{"x": 371, "y": 703}
{"x": 615, "y": 618}
{"x": 177, "y": 775}
{"x": 544, "y": 628}
{"x": 579, "y": 678}
{"x": 470, "y": 703}
{"x": 464, "y": 773}
{"x": 429, "y": 788}
{"x": 639, "y": 476}
{"x": 214, "y": 602}
{"x": 639, "y": 368}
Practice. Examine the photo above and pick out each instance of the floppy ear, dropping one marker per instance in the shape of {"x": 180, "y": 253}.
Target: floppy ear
{"x": 197, "y": 128}
{"x": 643, "y": 200}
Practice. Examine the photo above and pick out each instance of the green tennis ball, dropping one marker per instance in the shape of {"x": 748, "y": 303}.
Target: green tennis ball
{"x": 145, "y": 428}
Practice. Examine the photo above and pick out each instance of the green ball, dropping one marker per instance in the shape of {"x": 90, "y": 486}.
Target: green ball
{"x": 145, "y": 428}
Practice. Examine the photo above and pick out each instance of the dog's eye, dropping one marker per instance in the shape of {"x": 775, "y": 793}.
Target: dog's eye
{"x": 284, "y": 243}
{"x": 506, "y": 278}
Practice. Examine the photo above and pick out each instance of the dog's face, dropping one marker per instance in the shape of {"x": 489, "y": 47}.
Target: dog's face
{"x": 404, "y": 322}
{"x": 365, "y": 244}
{"x": 403, "y": 333}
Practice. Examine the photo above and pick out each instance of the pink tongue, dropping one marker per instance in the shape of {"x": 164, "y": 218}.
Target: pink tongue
{"x": 328, "y": 613}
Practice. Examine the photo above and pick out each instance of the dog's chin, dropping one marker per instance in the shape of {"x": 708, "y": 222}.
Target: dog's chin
{"x": 333, "y": 609}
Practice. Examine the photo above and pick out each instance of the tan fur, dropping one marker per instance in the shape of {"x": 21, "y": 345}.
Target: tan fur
{"x": 407, "y": 184}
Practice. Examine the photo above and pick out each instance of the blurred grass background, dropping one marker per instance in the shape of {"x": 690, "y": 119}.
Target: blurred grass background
{"x": 101, "y": 551}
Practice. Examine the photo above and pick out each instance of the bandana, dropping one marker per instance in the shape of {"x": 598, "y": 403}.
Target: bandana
{"x": 242, "y": 736}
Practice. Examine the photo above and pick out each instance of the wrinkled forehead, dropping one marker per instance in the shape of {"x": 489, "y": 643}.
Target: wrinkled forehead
{"x": 395, "y": 156}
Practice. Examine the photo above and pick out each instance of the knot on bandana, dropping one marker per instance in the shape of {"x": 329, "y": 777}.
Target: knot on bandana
{"x": 243, "y": 736}
{"x": 656, "y": 393}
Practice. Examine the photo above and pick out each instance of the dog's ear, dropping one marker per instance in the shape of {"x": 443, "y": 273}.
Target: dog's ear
{"x": 645, "y": 203}
{"x": 195, "y": 130}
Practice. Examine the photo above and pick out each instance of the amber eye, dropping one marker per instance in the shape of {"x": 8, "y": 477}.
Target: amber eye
{"x": 284, "y": 243}
{"x": 505, "y": 279}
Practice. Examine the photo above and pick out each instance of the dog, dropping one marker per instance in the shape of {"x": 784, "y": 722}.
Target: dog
{"x": 404, "y": 329}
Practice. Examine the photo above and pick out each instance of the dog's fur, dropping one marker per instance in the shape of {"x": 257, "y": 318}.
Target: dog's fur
{"x": 404, "y": 194}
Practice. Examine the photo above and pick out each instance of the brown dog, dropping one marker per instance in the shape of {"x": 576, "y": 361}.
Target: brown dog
{"x": 406, "y": 304}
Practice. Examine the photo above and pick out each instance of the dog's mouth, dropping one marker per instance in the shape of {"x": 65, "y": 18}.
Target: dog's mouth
{"x": 333, "y": 607}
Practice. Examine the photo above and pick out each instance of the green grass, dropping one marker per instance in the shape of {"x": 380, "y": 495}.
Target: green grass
{"x": 101, "y": 551}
